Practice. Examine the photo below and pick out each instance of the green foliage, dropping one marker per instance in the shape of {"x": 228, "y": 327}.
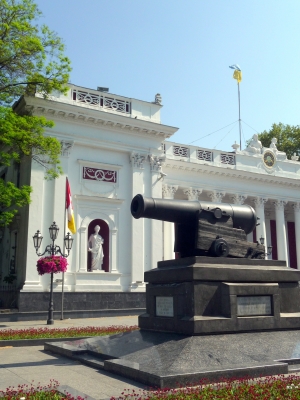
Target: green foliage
{"x": 288, "y": 138}
{"x": 20, "y": 136}
{"x": 31, "y": 56}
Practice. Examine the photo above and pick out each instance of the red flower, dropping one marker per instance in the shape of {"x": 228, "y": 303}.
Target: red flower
{"x": 51, "y": 264}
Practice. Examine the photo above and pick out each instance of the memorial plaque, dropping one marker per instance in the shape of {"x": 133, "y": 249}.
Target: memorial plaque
{"x": 164, "y": 306}
{"x": 254, "y": 305}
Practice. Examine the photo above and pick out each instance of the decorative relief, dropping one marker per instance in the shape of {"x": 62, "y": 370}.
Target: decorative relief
{"x": 137, "y": 160}
{"x": 260, "y": 201}
{"x": 280, "y": 204}
{"x": 238, "y": 199}
{"x": 192, "y": 194}
{"x": 227, "y": 159}
{"x": 66, "y": 147}
{"x": 168, "y": 191}
{"x": 96, "y": 174}
{"x": 156, "y": 162}
{"x": 205, "y": 155}
{"x": 216, "y": 196}
{"x": 181, "y": 151}
{"x": 101, "y": 101}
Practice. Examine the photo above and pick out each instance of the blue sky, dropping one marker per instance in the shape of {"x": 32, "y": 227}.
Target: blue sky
{"x": 182, "y": 49}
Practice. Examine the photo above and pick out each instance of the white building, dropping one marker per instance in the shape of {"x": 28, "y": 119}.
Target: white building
{"x": 114, "y": 147}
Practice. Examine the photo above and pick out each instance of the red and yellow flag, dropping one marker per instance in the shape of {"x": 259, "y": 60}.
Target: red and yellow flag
{"x": 69, "y": 208}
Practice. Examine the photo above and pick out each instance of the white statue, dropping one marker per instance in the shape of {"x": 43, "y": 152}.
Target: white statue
{"x": 255, "y": 145}
{"x": 95, "y": 247}
{"x": 280, "y": 155}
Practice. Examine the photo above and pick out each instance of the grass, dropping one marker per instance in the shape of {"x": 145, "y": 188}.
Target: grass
{"x": 49, "y": 333}
{"x": 265, "y": 388}
{"x": 39, "y": 392}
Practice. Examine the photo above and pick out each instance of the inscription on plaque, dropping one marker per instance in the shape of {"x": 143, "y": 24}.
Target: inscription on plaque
{"x": 254, "y": 305}
{"x": 164, "y": 306}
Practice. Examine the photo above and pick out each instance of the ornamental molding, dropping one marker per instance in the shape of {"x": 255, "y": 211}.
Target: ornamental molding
{"x": 137, "y": 160}
{"x": 231, "y": 172}
{"x": 168, "y": 191}
{"x": 90, "y": 116}
{"x": 216, "y": 196}
{"x": 192, "y": 193}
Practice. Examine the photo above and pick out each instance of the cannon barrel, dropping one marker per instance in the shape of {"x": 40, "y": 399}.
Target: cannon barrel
{"x": 183, "y": 211}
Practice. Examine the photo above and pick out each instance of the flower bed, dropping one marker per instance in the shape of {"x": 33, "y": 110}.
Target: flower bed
{"x": 264, "y": 388}
{"x": 48, "y": 333}
{"x": 39, "y": 392}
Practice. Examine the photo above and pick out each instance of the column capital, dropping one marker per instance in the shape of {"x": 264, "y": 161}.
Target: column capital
{"x": 296, "y": 206}
{"x": 260, "y": 201}
{"x": 238, "y": 199}
{"x": 280, "y": 204}
{"x": 216, "y": 195}
{"x": 137, "y": 160}
{"x": 156, "y": 162}
{"x": 192, "y": 193}
{"x": 66, "y": 147}
{"x": 168, "y": 191}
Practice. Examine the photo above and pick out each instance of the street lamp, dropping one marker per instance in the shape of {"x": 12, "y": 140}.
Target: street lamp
{"x": 52, "y": 250}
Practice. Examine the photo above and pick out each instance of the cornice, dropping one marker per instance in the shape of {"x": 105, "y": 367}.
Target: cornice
{"x": 232, "y": 173}
{"x": 73, "y": 112}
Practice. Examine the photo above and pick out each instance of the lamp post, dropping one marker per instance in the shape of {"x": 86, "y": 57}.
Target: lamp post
{"x": 52, "y": 250}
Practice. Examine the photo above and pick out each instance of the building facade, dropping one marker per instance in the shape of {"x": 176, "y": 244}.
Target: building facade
{"x": 113, "y": 148}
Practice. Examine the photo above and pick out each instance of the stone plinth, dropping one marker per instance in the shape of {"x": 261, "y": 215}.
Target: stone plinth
{"x": 201, "y": 295}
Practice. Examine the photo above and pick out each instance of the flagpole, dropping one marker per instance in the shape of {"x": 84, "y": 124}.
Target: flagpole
{"x": 240, "y": 122}
{"x": 63, "y": 274}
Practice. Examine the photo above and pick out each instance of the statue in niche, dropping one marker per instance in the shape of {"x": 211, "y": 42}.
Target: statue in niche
{"x": 280, "y": 155}
{"x": 95, "y": 247}
{"x": 255, "y": 145}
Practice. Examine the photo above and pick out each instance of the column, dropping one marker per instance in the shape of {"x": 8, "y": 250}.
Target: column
{"x": 168, "y": 192}
{"x": 156, "y": 163}
{"x": 259, "y": 205}
{"x": 296, "y": 207}
{"x": 137, "y": 233}
{"x": 281, "y": 231}
{"x": 192, "y": 193}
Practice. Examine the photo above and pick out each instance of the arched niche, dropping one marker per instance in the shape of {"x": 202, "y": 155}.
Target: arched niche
{"x": 83, "y": 235}
{"x": 104, "y": 232}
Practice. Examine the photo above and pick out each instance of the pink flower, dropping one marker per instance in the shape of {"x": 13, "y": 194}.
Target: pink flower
{"x": 51, "y": 264}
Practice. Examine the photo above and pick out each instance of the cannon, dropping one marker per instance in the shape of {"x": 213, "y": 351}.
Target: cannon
{"x": 204, "y": 228}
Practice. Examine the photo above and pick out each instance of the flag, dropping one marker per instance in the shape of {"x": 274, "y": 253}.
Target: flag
{"x": 237, "y": 75}
{"x": 69, "y": 208}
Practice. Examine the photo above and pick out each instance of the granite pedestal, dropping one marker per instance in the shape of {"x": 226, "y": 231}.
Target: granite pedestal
{"x": 206, "y": 318}
{"x": 200, "y": 295}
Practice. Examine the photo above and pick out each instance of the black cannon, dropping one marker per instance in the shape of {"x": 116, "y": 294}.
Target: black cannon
{"x": 204, "y": 228}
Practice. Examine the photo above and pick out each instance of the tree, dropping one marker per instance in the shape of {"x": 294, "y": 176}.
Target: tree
{"x": 31, "y": 60}
{"x": 288, "y": 138}
{"x": 31, "y": 57}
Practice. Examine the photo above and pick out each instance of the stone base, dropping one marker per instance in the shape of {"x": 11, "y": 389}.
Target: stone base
{"x": 167, "y": 360}
{"x": 76, "y": 301}
{"x": 200, "y": 295}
